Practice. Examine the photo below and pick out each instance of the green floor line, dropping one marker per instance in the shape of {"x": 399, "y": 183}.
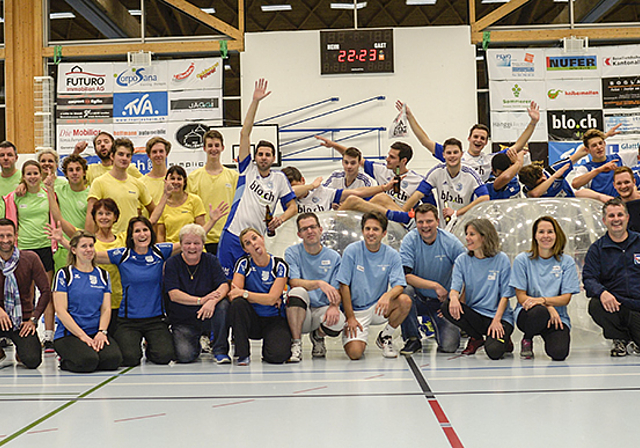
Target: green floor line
{"x": 61, "y": 408}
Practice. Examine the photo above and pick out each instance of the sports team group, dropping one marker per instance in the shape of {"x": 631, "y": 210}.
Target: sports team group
{"x": 167, "y": 266}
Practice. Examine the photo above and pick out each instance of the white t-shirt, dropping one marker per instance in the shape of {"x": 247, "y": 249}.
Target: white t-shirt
{"x": 338, "y": 178}
{"x": 410, "y": 180}
{"x": 319, "y": 200}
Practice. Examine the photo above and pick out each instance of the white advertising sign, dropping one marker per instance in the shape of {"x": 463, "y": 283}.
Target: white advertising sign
{"x": 573, "y": 94}
{"x": 140, "y": 79}
{"x": 561, "y": 65}
{"x": 620, "y": 60}
{"x": 507, "y": 126}
{"x": 195, "y": 105}
{"x": 514, "y": 64}
{"x": 629, "y": 120}
{"x": 515, "y": 95}
{"x": 70, "y": 134}
{"x": 195, "y": 74}
{"x": 139, "y": 133}
{"x": 85, "y": 77}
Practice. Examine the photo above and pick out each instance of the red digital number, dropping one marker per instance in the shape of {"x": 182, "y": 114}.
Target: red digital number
{"x": 352, "y": 56}
{"x": 373, "y": 56}
{"x": 341, "y": 55}
{"x": 363, "y": 55}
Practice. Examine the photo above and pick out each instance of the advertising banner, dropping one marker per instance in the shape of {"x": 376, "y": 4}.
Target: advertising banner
{"x": 621, "y": 92}
{"x": 85, "y": 77}
{"x": 561, "y": 150}
{"x": 515, "y": 64}
{"x": 140, "y": 107}
{"x": 573, "y": 94}
{"x": 572, "y": 124}
{"x": 90, "y": 108}
{"x": 628, "y": 119}
{"x": 195, "y": 105}
{"x": 140, "y": 79}
{"x": 620, "y": 60}
{"x": 69, "y": 134}
{"x": 507, "y": 126}
{"x": 515, "y": 95}
{"x": 189, "y": 74}
{"x": 560, "y": 65}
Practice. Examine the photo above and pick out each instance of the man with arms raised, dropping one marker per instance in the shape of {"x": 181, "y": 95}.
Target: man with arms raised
{"x": 313, "y": 303}
{"x": 214, "y": 183}
{"x": 19, "y": 270}
{"x": 369, "y": 268}
{"x": 102, "y": 144}
{"x": 478, "y": 139}
{"x": 258, "y": 188}
{"x": 428, "y": 254}
{"x": 611, "y": 277}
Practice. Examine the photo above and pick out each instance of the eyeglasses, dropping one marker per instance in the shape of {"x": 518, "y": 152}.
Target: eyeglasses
{"x": 311, "y": 227}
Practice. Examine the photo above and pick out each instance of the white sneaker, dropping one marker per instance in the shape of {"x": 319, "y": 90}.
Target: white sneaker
{"x": 386, "y": 344}
{"x": 633, "y": 349}
{"x": 296, "y": 351}
{"x": 205, "y": 344}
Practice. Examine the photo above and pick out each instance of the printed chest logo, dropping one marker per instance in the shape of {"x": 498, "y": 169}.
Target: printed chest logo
{"x": 636, "y": 258}
{"x": 492, "y": 276}
{"x": 265, "y": 276}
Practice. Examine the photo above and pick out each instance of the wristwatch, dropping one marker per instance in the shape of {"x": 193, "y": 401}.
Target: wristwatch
{"x": 245, "y": 294}
{"x": 34, "y": 321}
{"x": 104, "y": 332}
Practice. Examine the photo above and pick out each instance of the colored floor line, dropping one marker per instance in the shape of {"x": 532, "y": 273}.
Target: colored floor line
{"x": 437, "y": 410}
{"x": 62, "y": 408}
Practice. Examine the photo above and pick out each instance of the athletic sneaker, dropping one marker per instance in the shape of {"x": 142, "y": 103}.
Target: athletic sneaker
{"x": 319, "y": 349}
{"x": 412, "y": 346}
{"x": 472, "y": 346}
{"x": 633, "y": 349}
{"x": 386, "y": 344}
{"x": 426, "y": 327}
{"x": 619, "y": 348}
{"x": 244, "y": 361}
{"x": 205, "y": 344}
{"x": 526, "y": 348}
{"x": 222, "y": 359}
{"x": 48, "y": 346}
{"x": 296, "y": 351}
{"x": 5, "y": 342}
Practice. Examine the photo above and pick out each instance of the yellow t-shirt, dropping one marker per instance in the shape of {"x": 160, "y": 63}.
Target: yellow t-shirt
{"x": 96, "y": 170}
{"x": 129, "y": 194}
{"x": 112, "y": 269}
{"x": 174, "y": 218}
{"x": 155, "y": 185}
{"x": 212, "y": 190}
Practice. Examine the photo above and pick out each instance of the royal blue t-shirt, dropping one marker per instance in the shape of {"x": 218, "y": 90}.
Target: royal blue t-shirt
{"x": 260, "y": 279}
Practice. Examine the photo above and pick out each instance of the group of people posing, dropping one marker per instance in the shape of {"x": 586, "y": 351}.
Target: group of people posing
{"x": 167, "y": 265}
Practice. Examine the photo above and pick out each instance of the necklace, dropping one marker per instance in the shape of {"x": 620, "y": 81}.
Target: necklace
{"x": 191, "y": 274}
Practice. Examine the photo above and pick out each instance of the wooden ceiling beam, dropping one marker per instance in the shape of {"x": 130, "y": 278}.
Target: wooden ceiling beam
{"x": 209, "y": 20}
{"x": 495, "y": 15}
{"x": 154, "y": 47}
{"x": 548, "y": 35}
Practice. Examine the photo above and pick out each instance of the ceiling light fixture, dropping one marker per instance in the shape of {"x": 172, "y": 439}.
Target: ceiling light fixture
{"x": 348, "y": 5}
{"x": 274, "y": 8}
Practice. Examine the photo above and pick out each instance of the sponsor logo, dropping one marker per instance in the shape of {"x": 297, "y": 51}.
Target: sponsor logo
{"x": 503, "y": 60}
{"x": 185, "y": 74}
{"x": 572, "y": 63}
{"x": 79, "y": 132}
{"x": 572, "y": 124}
{"x": 77, "y": 80}
{"x": 191, "y": 135}
{"x": 554, "y": 93}
{"x": 617, "y": 61}
{"x": 448, "y": 197}
{"x": 636, "y": 258}
{"x": 204, "y": 74}
{"x": 134, "y": 76}
{"x": 195, "y": 104}
{"x": 516, "y": 90}
{"x": 528, "y": 57}
{"x": 561, "y": 121}
{"x": 621, "y": 92}
{"x": 140, "y": 105}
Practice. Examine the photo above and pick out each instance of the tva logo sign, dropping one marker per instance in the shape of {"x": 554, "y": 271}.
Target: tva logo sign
{"x": 140, "y": 105}
{"x": 572, "y": 124}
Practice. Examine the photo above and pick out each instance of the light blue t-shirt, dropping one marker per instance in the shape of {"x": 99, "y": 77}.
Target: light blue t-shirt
{"x": 545, "y": 278}
{"x": 85, "y": 294}
{"x": 431, "y": 261}
{"x": 322, "y": 266}
{"x": 260, "y": 279}
{"x": 486, "y": 281}
{"x": 370, "y": 274}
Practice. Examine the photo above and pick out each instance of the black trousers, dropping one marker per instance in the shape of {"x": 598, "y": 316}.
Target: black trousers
{"x": 623, "y": 324}
{"x": 76, "y": 356}
{"x": 28, "y": 348}
{"x": 476, "y": 325}
{"x": 154, "y": 330}
{"x": 274, "y": 332}
{"x": 535, "y": 321}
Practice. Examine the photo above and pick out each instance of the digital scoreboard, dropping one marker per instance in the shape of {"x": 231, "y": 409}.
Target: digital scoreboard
{"x": 356, "y": 51}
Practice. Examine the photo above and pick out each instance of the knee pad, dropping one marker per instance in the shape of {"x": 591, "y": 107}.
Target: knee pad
{"x": 293, "y": 301}
{"x": 329, "y": 332}
{"x": 298, "y": 297}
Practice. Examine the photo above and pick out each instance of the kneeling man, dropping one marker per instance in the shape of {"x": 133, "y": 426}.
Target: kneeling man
{"x": 367, "y": 271}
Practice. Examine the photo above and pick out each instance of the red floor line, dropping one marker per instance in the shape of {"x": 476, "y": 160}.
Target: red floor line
{"x": 375, "y": 376}
{"x": 437, "y": 410}
{"x": 42, "y": 430}
{"x": 309, "y": 390}
{"x": 138, "y": 418}
{"x": 230, "y": 404}
{"x": 453, "y": 438}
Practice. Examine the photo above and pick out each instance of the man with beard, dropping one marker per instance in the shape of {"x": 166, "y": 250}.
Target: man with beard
{"x": 102, "y": 144}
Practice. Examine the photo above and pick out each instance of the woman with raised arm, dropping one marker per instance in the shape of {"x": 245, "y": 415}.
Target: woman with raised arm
{"x": 545, "y": 279}
{"x": 483, "y": 275}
